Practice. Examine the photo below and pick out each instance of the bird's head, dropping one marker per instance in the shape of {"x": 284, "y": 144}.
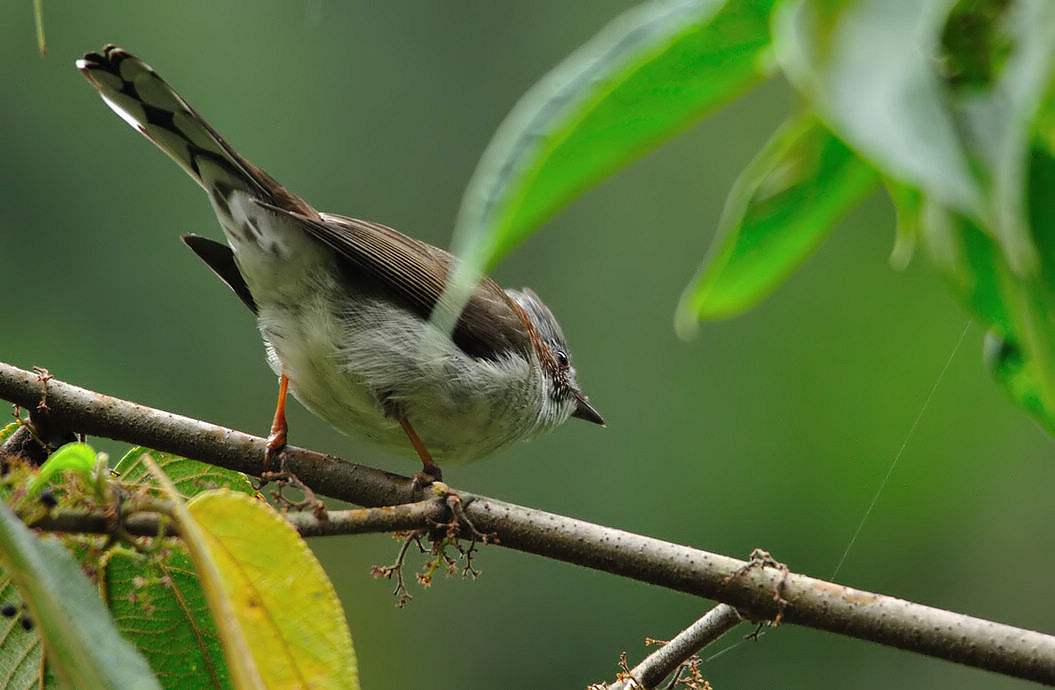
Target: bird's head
{"x": 562, "y": 391}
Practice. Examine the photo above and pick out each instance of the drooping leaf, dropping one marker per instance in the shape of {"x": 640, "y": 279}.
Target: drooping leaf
{"x": 940, "y": 95}
{"x": 1020, "y": 345}
{"x": 867, "y": 67}
{"x": 779, "y": 210}
{"x": 1002, "y": 60}
{"x": 84, "y": 648}
{"x": 79, "y": 458}
{"x": 157, "y": 602}
{"x": 907, "y": 205}
{"x": 643, "y": 78}
{"x": 190, "y": 477}
{"x": 282, "y": 600}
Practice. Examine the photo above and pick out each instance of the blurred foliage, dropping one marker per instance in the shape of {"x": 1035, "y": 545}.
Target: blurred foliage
{"x": 779, "y": 210}
{"x": 773, "y": 430}
{"x": 650, "y": 73}
{"x": 950, "y": 119}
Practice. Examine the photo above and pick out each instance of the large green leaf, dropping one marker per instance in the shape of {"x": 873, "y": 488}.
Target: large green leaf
{"x": 190, "y": 477}
{"x": 644, "y": 77}
{"x": 868, "y": 68}
{"x": 157, "y": 602}
{"x": 939, "y": 95}
{"x": 84, "y": 648}
{"x": 777, "y": 213}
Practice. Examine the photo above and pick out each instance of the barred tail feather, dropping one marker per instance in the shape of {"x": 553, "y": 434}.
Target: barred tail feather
{"x": 141, "y": 98}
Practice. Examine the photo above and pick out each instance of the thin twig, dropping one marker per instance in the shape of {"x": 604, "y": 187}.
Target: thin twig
{"x": 670, "y": 657}
{"x": 358, "y": 521}
{"x": 809, "y": 601}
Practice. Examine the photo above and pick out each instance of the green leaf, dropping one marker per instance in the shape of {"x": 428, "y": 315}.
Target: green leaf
{"x": 297, "y": 635}
{"x": 79, "y": 458}
{"x": 20, "y": 650}
{"x": 644, "y": 77}
{"x": 907, "y": 204}
{"x": 157, "y": 602}
{"x": 1008, "y": 50}
{"x": 779, "y": 210}
{"x": 38, "y": 19}
{"x": 940, "y": 95}
{"x": 1020, "y": 347}
{"x": 190, "y": 477}
{"x": 84, "y": 648}
{"x": 1005, "y": 361}
{"x": 867, "y": 67}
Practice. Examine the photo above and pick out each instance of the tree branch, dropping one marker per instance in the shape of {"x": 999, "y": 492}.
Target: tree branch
{"x": 398, "y": 518}
{"x": 665, "y": 660}
{"x": 758, "y": 593}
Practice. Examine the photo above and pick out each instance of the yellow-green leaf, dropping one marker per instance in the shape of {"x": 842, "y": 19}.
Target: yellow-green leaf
{"x": 285, "y": 605}
{"x": 75, "y": 457}
{"x": 7, "y": 431}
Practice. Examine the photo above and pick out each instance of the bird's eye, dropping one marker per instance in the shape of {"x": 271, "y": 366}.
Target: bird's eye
{"x": 562, "y": 357}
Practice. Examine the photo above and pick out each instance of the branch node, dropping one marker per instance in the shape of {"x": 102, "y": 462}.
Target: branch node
{"x": 762, "y": 559}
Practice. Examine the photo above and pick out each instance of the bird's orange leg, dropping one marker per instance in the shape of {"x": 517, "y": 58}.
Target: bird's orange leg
{"x": 276, "y": 440}
{"x": 428, "y": 467}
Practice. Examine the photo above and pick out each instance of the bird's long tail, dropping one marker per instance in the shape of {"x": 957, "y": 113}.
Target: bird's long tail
{"x": 144, "y": 100}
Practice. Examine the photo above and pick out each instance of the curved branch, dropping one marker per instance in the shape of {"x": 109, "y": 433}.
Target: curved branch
{"x": 758, "y": 593}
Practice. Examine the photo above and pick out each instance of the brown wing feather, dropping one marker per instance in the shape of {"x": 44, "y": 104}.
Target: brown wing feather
{"x": 415, "y": 273}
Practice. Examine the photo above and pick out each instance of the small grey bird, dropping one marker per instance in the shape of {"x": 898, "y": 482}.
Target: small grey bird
{"x": 343, "y": 304}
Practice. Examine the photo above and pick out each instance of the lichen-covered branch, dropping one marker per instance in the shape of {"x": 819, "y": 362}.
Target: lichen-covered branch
{"x": 758, "y": 593}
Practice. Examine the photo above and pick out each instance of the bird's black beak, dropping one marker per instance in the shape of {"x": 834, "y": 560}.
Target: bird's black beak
{"x": 584, "y": 410}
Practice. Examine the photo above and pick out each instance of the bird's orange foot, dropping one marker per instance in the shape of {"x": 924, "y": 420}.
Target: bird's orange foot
{"x": 276, "y": 440}
{"x": 276, "y": 443}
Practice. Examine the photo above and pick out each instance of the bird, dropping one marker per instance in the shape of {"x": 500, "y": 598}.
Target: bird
{"x": 343, "y": 305}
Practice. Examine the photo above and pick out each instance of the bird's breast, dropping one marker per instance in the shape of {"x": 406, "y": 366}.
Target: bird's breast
{"x": 360, "y": 362}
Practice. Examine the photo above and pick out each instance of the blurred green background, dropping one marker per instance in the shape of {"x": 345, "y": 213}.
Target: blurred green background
{"x": 771, "y": 430}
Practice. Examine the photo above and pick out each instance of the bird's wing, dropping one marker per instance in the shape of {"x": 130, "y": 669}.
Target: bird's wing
{"x": 415, "y": 274}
